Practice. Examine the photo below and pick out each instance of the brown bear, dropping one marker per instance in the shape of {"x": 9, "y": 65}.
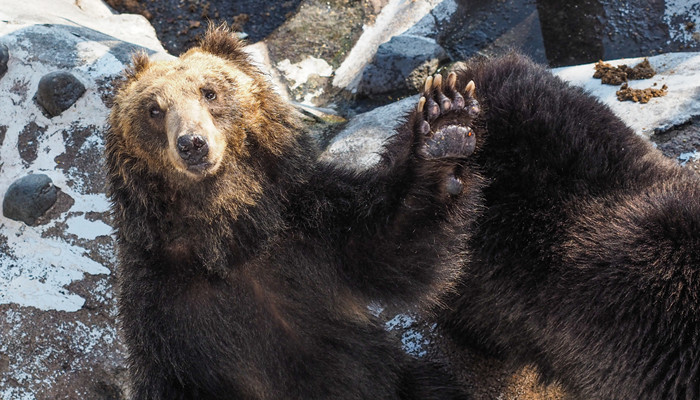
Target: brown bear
{"x": 586, "y": 258}
{"x": 246, "y": 266}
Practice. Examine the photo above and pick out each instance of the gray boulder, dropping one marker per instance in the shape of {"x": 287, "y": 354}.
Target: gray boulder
{"x": 402, "y": 63}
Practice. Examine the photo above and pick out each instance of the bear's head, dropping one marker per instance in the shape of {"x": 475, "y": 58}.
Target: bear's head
{"x": 186, "y": 119}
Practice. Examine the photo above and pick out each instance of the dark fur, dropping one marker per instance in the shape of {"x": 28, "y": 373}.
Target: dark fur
{"x": 586, "y": 260}
{"x": 222, "y": 299}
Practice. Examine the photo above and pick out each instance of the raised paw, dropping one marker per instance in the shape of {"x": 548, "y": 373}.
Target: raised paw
{"x": 445, "y": 118}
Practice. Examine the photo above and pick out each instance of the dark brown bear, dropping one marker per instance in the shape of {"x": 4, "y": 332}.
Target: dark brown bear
{"x": 586, "y": 260}
{"x": 246, "y": 266}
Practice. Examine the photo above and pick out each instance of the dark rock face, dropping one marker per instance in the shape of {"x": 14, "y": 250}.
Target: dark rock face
{"x": 584, "y": 31}
{"x": 4, "y": 58}
{"x": 180, "y": 24}
{"x": 58, "y": 91}
{"x": 29, "y": 197}
{"x": 401, "y": 63}
{"x": 569, "y": 33}
{"x": 493, "y": 27}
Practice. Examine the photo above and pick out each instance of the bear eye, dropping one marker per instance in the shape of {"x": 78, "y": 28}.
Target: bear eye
{"x": 209, "y": 94}
{"x": 155, "y": 112}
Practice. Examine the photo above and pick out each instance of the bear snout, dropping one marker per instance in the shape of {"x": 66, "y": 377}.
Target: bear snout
{"x": 192, "y": 148}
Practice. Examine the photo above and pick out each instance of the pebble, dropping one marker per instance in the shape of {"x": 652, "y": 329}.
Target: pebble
{"x": 58, "y": 91}
{"x": 29, "y": 197}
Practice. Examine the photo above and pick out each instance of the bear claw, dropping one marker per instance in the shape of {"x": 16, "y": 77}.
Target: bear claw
{"x": 446, "y": 114}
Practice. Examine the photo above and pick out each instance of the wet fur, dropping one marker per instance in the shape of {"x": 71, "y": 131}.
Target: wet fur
{"x": 252, "y": 281}
{"x": 586, "y": 259}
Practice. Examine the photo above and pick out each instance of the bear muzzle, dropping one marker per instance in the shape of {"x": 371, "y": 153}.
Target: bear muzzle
{"x": 193, "y": 150}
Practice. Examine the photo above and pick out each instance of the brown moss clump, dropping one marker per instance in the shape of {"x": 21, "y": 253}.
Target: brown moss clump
{"x": 611, "y": 75}
{"x": 640, "y": 95}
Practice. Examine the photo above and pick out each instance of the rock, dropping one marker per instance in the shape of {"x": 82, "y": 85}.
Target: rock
{"x": 681, "y": 142}
{"x": 491, "y": 28}
{"x": 4, "y": 58}
{"x": 638, "y": 29}
{"x": 92, "y": 17}
{"x": 29, "y": 197}
{"x": 429, "y": 25}
{"x": 570, "y": 33}
{"x": 58, "y": 91}
{"x": 401, "y": 63}
{"x": 395, "y": 18}
{"x": 358, "y": 144}
{"x": 28, "y": 142}
{"x": 320, "y": 32}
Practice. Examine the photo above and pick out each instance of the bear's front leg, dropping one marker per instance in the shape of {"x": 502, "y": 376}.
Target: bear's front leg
{"x": 407, "y": 220}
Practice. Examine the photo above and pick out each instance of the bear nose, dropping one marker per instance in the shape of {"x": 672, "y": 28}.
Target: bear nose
{"x": 192, "y": 148}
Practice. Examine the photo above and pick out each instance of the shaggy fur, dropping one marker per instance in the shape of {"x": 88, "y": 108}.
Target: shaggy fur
{"x": 586, "y": 260}
{"x": 248, "y": 275}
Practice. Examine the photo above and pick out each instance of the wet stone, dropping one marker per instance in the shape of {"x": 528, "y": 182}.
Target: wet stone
{"x": 4, "y": 58}
{"x": 29, "y": 197}
{"x": 402, "y": 63}
{"x": 58, "y": 91}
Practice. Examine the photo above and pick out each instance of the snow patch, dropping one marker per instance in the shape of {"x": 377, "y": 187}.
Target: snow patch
{"x": 300, "y": 72}
{"x": 86, "y": 229}
{"x": 683, "y": 158}
{"x": 36, "y": 270}
{"x": 679, "y": 71}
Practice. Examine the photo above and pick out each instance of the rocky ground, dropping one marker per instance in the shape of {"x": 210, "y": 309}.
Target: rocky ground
{"x": 351, "y": 66}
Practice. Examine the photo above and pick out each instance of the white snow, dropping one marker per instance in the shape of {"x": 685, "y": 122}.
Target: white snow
{"x": 87, "y": 229}
{"x": 683, "y": 158}
{"x": 300, "y": 72}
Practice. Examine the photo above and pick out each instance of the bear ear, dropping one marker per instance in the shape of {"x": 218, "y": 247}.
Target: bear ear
{"x": 139, "y": 63}
{"x": 220, "y": 41}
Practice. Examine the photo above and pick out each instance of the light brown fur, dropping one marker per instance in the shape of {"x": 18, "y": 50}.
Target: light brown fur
{"x": 175, "y": 88}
